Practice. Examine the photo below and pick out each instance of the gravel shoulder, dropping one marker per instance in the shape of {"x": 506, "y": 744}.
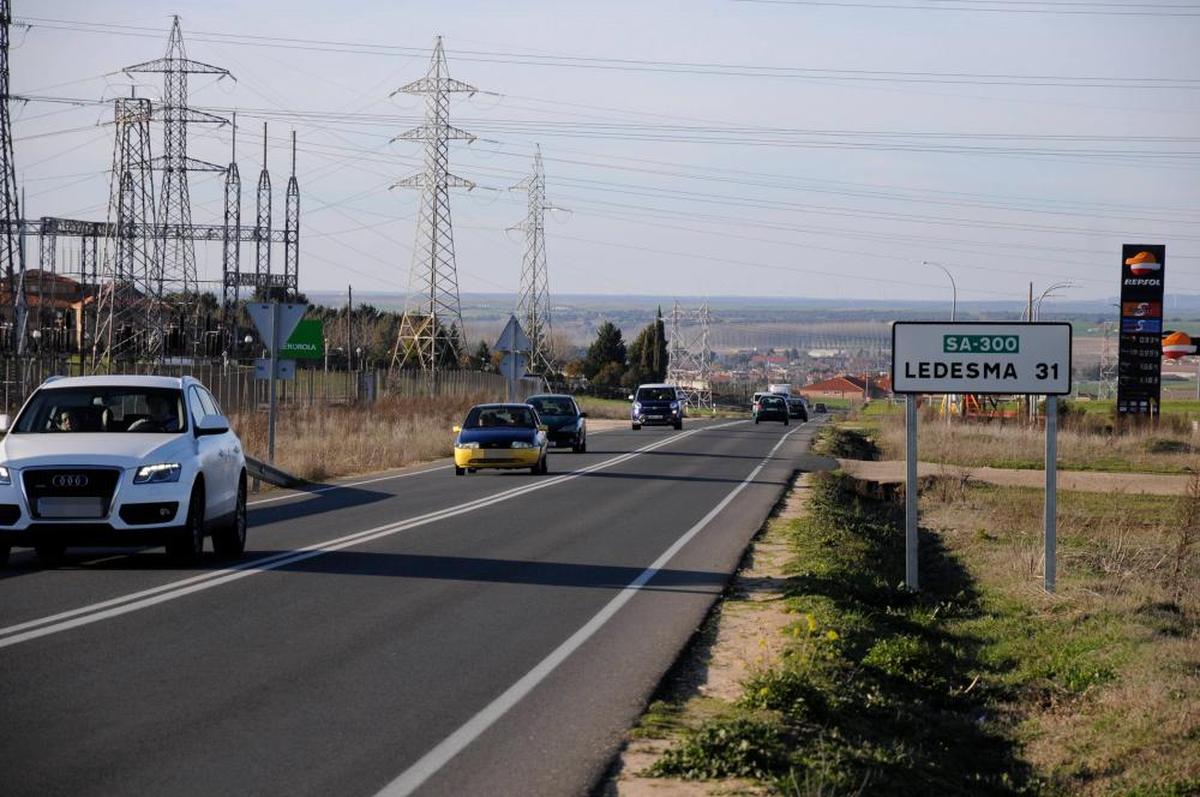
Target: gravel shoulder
{"x": 892, "y": 471}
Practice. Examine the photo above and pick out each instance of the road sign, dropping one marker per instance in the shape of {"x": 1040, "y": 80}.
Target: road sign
{"x": 289, "y": 316}
{"x": 513, "y": 365}
{"x": 981, "y": 358}
{"x": 513, "y": 338}
{"x": 307, "y": 342}
{"x": 284, "y": 369}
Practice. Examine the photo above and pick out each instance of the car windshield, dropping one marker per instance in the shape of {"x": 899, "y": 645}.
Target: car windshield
{"x": 656, "y": 394}
{"x": 103, "y": 409}
{"x": 553, "y": 405}
{"x": 772, "y": 401}
{"x": 488, "y": 417}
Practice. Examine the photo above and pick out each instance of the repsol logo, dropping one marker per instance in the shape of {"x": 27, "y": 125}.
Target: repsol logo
{"x": 1143, "y": 281}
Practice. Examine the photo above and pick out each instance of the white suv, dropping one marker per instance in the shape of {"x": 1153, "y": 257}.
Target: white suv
{"x": 121, "y": 460}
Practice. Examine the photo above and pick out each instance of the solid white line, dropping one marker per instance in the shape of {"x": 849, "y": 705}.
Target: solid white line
{"x": 428, "y": 765}
{"x": 114, "y": 607}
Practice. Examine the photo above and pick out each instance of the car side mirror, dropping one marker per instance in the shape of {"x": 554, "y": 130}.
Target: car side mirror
{"x": 631, "y": 397}
{"x": 4, "y": 422}
{"x": 212, "y": 424}
{"x": 583, "y": 415}
{"x": 456, "y": 429}
{"x": 543, "y": 427}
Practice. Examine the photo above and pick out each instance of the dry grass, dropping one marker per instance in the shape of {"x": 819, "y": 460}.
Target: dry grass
{"x": 1122, "y": 633}
{"x": 1013, "y": 446}
{"x": 323, "y": 442}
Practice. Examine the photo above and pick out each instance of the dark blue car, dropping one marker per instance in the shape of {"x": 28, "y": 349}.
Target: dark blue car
{"x": 656, "y": 405}
{"x": 565, "y": 424}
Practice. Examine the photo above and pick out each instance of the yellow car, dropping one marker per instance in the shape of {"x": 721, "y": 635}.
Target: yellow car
{"x": 501, "y": 436}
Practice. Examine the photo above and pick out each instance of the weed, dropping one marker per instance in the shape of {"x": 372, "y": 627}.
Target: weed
{"x": 726, "y": 748}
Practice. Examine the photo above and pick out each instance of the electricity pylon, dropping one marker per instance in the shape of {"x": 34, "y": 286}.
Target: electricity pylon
{"x": 431, "y": 330}
{"x": 262, "y": 230}
{"x": 231, "y": 246}
{"x": 533, "y": 304}
{"x": 176, "y": 246}
{"x": 291, "y": 233}
{"x": 688, "y": 363}
{"x": 12, "y": 264}
{"x": 130, "y": 307}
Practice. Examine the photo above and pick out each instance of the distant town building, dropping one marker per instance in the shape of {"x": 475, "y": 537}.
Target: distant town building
{"x": 854, "y": 388}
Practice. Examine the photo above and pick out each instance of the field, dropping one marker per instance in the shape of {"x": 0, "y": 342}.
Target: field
{"x": 1085, "y": 440}
{"x": 317, "y": 443}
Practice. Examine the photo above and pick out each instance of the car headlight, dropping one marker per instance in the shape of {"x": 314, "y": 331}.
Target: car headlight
{"x": 157, "y": 474}
{"x": 521, "y": 444}
{"x": 468, "y": 445}
{"x": 674, "y": 405}
{"x": 5, "y": 476}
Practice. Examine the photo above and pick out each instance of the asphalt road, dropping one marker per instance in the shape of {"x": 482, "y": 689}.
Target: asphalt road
{"x": 417, "y": 632}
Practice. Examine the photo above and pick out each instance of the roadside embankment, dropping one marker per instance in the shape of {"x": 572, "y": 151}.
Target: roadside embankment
{"x": 820, "y": 675}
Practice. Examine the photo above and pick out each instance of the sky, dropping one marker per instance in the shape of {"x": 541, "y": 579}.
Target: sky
{"x": 693, "y": 147}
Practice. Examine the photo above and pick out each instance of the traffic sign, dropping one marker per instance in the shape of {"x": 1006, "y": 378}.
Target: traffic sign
{"x": 307, "y": 342}
{"x": 289, "y": 316}
{"x": 513, "y": 365}
{"x": 981, "y": 358}
{"x": 284, "y": 369}
{"x": 513, "y": 338}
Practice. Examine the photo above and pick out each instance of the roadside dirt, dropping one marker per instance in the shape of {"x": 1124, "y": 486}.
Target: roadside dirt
{"x": 892, "y": 471}
{"x": 749, "y": 636}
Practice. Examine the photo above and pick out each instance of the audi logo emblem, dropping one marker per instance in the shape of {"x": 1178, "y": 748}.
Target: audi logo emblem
{"x": 70, "y": 480}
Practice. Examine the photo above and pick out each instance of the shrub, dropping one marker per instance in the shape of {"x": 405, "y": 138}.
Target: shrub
{"x": 729, "y": 748}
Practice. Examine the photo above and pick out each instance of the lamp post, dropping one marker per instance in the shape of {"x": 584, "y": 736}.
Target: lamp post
{"x": 953, "y": 286}
{"x": 953, "y": 310}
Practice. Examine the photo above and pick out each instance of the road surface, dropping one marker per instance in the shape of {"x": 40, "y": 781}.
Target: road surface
{"x": 415, "y": 632}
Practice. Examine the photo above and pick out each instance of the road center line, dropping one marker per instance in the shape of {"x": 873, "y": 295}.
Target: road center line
{"x": 115, "y": 607}
{"x": 428, "y": 765}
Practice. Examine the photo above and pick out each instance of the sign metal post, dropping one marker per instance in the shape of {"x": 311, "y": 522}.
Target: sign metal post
{"x": 910, "y": 492}
{"x": 981, "y": 358}
{"x": 275, "y": 323}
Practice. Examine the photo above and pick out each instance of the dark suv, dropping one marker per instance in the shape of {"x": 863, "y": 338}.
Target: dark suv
{"x": 656, "y": 405}
{"x": 565, "y": 424}
{"x": 771, "y": 408}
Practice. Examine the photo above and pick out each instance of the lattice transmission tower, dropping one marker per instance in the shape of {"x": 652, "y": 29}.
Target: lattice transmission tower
{"x": 12, "y": 261}
{"x": 431, "y": 329}
{"x": 689, "y": 364}
{"x": 130, "y": 307}
{"x": 174, "y": 216}
{"x": 533, "y": 304}
{"x": 231, "y": 245}
{"x": 1106, "y": 386}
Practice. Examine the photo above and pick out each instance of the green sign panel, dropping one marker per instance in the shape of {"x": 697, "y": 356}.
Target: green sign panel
{"x": 981, "y": 344}
{"x": 306, "y": 343}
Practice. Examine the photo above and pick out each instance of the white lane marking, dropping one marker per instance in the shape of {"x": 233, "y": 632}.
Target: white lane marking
{"x": 114, "y": 607}
{"x": 428, "y": 765}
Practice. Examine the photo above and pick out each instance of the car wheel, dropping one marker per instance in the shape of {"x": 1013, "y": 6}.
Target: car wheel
{"x": 636, "y": 426}
{"x": 756, "y": 420}
{"x": 545, "y": 464}
{"x": 50, "y": 554}
{"x": 186, "y": 544}
{"x": 786, "y": 422}
{"x": 459, "y": 471}
{"x": 678, "y": 425}
{"x": 231, "y": 540}
{"x": 583, "y": 446}
{"x": 5, "y": 550}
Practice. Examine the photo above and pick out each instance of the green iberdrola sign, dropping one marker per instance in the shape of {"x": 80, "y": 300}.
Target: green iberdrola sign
{"x": 306, "y": 343}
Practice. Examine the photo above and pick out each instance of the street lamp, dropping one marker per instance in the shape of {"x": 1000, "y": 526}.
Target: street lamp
{"x": 953, "y": 286}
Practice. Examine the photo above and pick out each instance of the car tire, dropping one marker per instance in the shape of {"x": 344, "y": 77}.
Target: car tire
{"x": 230, "y": 541}
{"x": 786, "y": 422}
{"x": 545, "y": 464}
{"x": 756, "y": 421}
{"x": 50, "y": 554}
{"x": 5, "y": 550}
{"x": 636, "y": 426}
{"x": 459, "y": 471}
{"x": 186, "y": 544}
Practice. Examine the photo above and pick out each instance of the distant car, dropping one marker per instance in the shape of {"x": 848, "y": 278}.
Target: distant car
{"x": 771, "y": 408}
{"x": 819, "y": 407}
{"x": 565, "y": 424}
{"x": 121, "y": 460}
{"x": 501, "y": 436}
{"x": 797, "y": 408}
{"x": 656, "y": 405}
